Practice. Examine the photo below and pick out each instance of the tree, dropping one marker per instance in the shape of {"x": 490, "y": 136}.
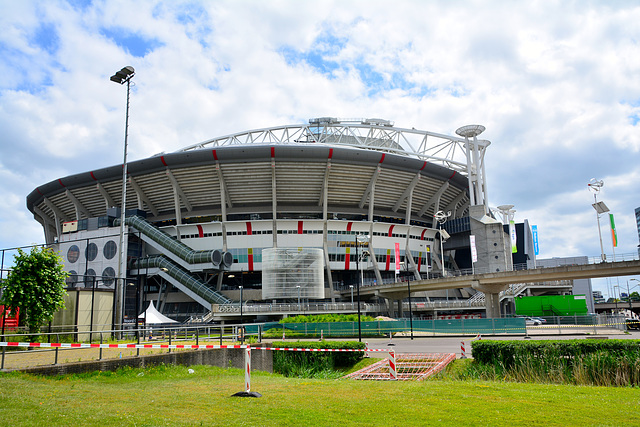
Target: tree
{"x": 35, "y": 285}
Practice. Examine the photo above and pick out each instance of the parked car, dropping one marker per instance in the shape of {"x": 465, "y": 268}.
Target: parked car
{"x": 540, "y": 319}
{"x": 633, "y": 324}
{"x": 532, "y": 321}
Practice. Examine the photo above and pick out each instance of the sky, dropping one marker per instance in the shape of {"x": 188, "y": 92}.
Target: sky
{"x": 555, "y": 83}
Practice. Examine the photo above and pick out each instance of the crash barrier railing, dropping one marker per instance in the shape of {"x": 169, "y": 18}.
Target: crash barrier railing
{"x": 163, "y": 337}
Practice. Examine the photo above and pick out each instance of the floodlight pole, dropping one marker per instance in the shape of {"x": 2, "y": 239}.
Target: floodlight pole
{"x": 629, "y": 292}
{"x": 241, "y": 319}
{"x": 441, "y": 218}
{"x": 121, "y": 77}
{"x": 595, "y": 186}
{"x": 406, "y": 267}
{"x": 358, "y": 284}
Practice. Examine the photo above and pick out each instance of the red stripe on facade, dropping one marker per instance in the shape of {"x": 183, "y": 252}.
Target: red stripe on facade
{"x": 200, "y": 230}
{"x": 162, "y": 160}
{"x": 273, "y": 152}
{"x": 300, "y": 229}
{"x": 424, "y": 166}
{"x": 249, "y": 229}
{"x": 347, "y": 259}
{"x": 39, "y": 192}
{"x": 422, "y": 234}
{"x": 388, "y": 263}
{"x": 93, "y": 176}
{"x": 250, "y": 258}
{"x": 391, "y": 230}
{"x": 349, "y": 224}
{"x": 215, "y": 155}
{"x": 454, "y": 174}
{"x": 330, "y": 152}
{"x": 382, "y": 158}
{"x": 60, "y": 181}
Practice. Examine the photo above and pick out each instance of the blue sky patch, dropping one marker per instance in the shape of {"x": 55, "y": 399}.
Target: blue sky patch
{"x": 136, "y": 44}
{"x": 194, "y": 17}
{"x": 80, "y": 4}
{"x": 324, "y": 47}
{"x": 46, "y": 38}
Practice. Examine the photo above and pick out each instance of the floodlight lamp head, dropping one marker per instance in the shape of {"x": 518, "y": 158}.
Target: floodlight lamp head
{"x": 470, "y": 131}
{"x": 505, "y": 207}
{"x": 124, "y": 75}
{"x": 441, "y": 217}
{"x": 595, "y": 185}
{"x": 362, "y": 237}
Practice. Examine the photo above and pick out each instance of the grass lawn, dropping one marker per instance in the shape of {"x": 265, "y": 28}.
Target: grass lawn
{"x": 172, "y": 396}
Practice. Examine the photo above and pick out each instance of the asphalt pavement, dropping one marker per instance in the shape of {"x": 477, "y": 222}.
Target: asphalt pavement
{"x": 453, "y": 344}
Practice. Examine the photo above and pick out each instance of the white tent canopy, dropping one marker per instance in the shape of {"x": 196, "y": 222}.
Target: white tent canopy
{"x": 153, "y": 316}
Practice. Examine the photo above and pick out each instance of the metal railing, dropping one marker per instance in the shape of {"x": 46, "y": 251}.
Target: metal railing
{"x": 152, "y": 334}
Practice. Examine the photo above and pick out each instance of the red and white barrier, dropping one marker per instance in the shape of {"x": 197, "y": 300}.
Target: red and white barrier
{"x": 132, "y": 346}
{"x": 393, "y": 374}
{"x": 462, "y": 350}
{"x": 247, "y": 371}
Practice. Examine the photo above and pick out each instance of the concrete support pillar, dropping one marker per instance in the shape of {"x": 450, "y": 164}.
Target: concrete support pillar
{"x": 493, "y": 305}
{"x": 491, "y": 296}
{"x": 400, "y": 309}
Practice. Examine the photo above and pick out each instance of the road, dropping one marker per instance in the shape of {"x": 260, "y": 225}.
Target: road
{"x": 431, "y": 344}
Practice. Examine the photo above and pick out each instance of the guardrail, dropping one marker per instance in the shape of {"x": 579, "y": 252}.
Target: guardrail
{"x": 134, "y": 339}
{"x": 337, "y": 307}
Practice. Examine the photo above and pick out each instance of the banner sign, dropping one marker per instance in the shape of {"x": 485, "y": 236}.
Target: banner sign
{"x": 614, "y": 235}
{"x": 474, "y": 252}
{"x": 534, "y": 232}
{"x": 397, "y": 258}
{"x": 514, "y": 237}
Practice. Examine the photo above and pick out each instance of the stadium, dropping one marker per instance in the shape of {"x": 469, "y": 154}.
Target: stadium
{"x": 288, "y": 216}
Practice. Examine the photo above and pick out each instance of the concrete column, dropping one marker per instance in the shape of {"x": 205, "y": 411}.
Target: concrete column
{"x": 492, "y": 297}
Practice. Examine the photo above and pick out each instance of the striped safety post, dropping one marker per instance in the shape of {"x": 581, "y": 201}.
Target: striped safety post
{"x": 247, "y": 369}
{"x": 247, "y": 376}
{"x": 393, "y": 374}
{"x": 462, "y": 355}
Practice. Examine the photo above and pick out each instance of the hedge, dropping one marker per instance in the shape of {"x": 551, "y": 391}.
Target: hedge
{"x": 507, "y": 353}
{"x": 290, "y": 363}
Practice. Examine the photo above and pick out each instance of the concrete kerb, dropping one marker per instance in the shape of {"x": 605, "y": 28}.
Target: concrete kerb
{"x": 221, "y": 357}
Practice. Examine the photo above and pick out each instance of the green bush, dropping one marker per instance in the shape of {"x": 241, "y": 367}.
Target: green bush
{"x": 597, "y": 362}
{"x": 308, "y": 364}
{"x": 327, "y": 318}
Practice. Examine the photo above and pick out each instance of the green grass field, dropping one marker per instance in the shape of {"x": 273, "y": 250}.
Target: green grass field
{"x": 170, "y": 396}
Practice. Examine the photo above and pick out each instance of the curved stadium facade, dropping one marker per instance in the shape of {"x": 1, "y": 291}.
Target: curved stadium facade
{"x": 201, "y": 222}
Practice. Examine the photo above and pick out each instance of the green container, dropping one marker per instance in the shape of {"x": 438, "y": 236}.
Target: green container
{"x": 552, "y": 305}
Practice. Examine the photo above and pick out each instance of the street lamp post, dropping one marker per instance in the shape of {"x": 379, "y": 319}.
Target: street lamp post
{"x": 629, "y": 292}
{"x": 406, "y": 267}
{"x": 351, "y": 286}
{"x": 121, "y": 77}
{"x": 359, "y": 238}
{"x": 441, "y": 218}
{"x": 241, "y": 319}
{"x": 595, "y": 186}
